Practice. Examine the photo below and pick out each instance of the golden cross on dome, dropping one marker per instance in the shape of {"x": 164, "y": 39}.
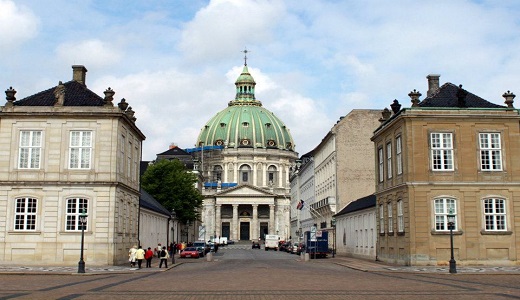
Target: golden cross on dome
{"x": 245, "y": 56}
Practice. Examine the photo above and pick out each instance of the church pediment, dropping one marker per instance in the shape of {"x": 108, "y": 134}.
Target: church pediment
{"x": 245, "y": 190}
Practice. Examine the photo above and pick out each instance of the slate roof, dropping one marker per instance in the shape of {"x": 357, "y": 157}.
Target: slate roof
{"x": 175, "y": 151}
{"x": 359, "y": 204}
{"x": 147, "y": 201}
{"x": 448, "y": 96}
{"x": 76, "y": 94}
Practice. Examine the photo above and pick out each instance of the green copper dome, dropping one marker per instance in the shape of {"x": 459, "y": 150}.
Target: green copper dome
{"x": 245, "y": 123}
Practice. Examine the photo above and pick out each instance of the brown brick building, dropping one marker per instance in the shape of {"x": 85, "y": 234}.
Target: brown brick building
{"x": 452, "y": 150}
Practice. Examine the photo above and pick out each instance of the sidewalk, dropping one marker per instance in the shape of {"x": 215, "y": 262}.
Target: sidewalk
{"x": 375, "y": 266}
{"x": 89, "y": 270}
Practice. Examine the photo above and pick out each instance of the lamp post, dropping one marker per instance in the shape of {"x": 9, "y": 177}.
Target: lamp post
{"x": 451, "y": 224}
{"x": 333, "y": 223}
{"x": 83, "y": 222}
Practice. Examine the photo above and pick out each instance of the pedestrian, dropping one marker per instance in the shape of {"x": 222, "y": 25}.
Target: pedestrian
{"x": 148, "y": 256}
{"x": 131, "y": 256}
{"x": 158, "y": 250}
{"x": 139, "y": 255}
{"x": 164, "y": 257}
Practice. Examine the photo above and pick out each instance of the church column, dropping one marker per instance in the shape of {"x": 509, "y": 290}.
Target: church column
{"x": 235, "y": 172}
{"x": 271, "y": 219}
{"x": 264, "y": 174}
{"x": 225, "y": 179}
{"x": 218, "y": 221}
{"x": 286, "y": 176}
{"x": 254, "y": 225}
{"x": 234, "y": 226}
{"x": 255, "y": 183}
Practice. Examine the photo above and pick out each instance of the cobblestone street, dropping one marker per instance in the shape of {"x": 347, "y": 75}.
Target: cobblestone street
{"x": 254, "y": 274}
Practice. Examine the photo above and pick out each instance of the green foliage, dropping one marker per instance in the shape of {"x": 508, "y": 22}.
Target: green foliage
{"x": 173, "y": 186}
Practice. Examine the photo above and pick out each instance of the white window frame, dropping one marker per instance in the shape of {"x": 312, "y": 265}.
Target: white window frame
{"x": 441, "y": 208}
{"x": 389, "y": 160}
{"x": 80, "y": 149}
{"x": 490, "y": 151}
{"x": 381, "y": 164}
{"x": 441, "y": 150}
{"x": 399, "y": 155}
{"x": 74, "y": 208}
{"x": 30, "y": 149}
{"x": 400, "y": 216}
{"x": 381, "y": 218}
{"x": 495, "y": 217}
{"x": 389, "y": 212}
{"x": 25, "y": 214}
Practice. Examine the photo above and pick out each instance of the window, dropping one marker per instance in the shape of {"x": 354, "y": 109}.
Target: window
{"x": 399, "y": 155}
{"x": 442, "y": 151}
{"x": 271, "y": 174}
{"x": 244, "y": 173}
{"x": 381, "y": 219}
{"x": 80, "y": 149}
{"x": 30, "y": 149}
{"x": 75, "y": 207}
{"x": 217, "y": 173}
{"x": 390, "y": 217}
{"x": 129, "y": 160}
{"x": 389, "y": 160}
{"x": 442, "y": 208}
{"x": 490, "y": 152}
{"x": 495, "y": 214}
{"x": 400, "y": 217}
{"x": 25, "y": 214}
{"x": 380, "y": 161}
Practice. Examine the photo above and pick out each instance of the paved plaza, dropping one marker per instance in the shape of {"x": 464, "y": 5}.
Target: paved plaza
{"x": 244, "y": 273}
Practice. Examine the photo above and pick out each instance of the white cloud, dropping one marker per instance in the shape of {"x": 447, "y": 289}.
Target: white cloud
{"x": 226, "y": 26}
{"x": 92, "y": 53}
{"x": 18, "y": 24}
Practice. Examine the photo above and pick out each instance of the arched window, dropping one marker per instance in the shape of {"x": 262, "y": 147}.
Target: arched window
{"x": 272, "y": 175}
{"x": 245, "y": 172}
{"x": 217, "y": 173}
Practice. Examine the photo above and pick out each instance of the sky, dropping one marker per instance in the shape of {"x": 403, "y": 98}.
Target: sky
{"x": 175, "y": 61}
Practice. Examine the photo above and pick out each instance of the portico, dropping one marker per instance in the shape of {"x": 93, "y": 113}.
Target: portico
{"x": 246, "y": 213}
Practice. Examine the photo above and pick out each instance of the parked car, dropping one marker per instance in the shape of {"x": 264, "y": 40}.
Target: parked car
{"x": 256, "y": 245}
{"x": 202, "y": 247}
{"x": 230, "y": 242}
{"x": 190, "y": 252}
{"x": 283, "y": 246}
{"x": 295, "y": 247}
{"x": 288, "y": 247}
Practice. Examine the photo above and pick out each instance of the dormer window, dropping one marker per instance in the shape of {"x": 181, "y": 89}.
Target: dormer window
{"x": 222, "y": 124}
{"x": 245, "y": 124}
{"x": 219, "y": 142}
{"x": 271, "y": 143}
{"x": 268, "y": 125}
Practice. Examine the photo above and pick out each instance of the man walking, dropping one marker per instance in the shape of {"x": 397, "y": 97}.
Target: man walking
{"x": 148, "y": 256}
{"x": 139, "y": 255}
{"x": 164, "y": 257}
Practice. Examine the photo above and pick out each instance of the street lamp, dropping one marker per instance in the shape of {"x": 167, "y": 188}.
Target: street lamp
{"x": 451, "y": 224}
{"x": 333, "y": 223}
{"x": 83, "y": 223}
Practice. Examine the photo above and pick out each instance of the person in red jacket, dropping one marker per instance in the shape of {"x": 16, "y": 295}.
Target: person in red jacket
{"x": 148, "y": 255}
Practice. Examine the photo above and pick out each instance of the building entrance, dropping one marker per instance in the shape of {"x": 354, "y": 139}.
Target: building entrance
{"x": 263, "y": 230}
{"x": 244, "y": 231}
{"x": 225, "y": 230}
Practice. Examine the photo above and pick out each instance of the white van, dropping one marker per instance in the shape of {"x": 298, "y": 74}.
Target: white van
{"x": 271, "y": 242}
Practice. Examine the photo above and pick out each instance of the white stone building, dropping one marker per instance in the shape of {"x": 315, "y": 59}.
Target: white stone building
{"x": 246, "y": 154}
{"x": 66, "y": 151}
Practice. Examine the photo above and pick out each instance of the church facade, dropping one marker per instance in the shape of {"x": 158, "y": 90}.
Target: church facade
{"x": 245, "y": 154}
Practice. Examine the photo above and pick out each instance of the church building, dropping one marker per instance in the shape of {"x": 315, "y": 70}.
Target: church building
{"x": 245, "y": 154}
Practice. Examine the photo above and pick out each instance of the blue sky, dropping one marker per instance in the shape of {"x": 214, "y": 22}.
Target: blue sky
{"x": 314, "y": 61}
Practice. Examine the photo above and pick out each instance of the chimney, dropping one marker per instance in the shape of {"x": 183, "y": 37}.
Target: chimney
{"x": 433, "y": 84}
{"x": 79, "y": 74}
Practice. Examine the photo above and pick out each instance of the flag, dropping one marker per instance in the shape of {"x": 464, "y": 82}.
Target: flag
{"x": 300, "y": 205}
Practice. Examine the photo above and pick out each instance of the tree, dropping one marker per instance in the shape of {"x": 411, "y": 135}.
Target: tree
{"x": 173, "y": 186}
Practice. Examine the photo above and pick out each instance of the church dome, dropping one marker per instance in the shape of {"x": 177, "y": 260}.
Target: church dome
{"x": 245, "y": 123}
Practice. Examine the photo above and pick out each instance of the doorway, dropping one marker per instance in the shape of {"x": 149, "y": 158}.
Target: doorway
{"x": 244, "y": 231}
